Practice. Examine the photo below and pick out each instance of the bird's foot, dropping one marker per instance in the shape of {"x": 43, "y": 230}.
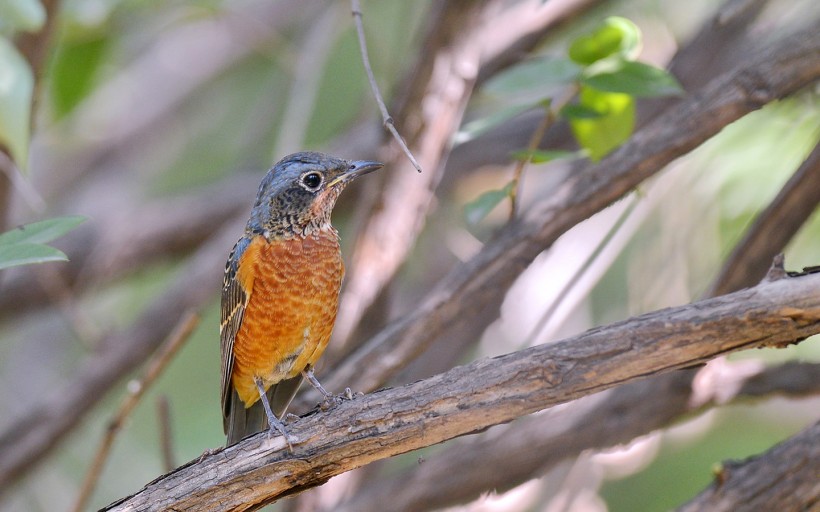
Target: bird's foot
{"x": 331, "y": 400}
{"x": 279, "y": 429}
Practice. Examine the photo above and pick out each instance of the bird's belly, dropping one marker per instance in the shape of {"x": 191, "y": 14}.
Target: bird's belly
{"x": 291, "y": 310}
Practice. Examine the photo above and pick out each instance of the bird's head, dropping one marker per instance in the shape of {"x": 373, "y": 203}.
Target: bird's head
{"x": 298, "y": 193}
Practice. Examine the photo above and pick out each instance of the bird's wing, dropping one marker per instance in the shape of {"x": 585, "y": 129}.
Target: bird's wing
{"x": 234, "y": 300}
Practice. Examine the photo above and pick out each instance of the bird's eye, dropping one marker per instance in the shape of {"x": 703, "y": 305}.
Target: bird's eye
{"x": 312, "y": 181}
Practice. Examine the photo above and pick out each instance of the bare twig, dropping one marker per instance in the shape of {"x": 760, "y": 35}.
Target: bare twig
{"x": 437, "y": 89}
{"x": 166, "y": 433}
{"x": 386, "y": 118}
{"x": 547, "y": 121}
{"x": 518, "y": 171}
{"x": 564, "y": 292}
{"x": 136, "y": 390}
{"x": 466, "y": 399}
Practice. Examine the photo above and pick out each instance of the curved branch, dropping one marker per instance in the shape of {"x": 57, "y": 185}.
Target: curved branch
{"x": 784, "y": 479}
{"x": 259, "y": 470}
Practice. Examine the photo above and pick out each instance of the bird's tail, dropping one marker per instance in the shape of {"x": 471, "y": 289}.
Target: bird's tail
{"x": 242, "y": 421}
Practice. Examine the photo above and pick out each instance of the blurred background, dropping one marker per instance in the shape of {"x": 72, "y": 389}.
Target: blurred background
{"x": 157, "y": 120}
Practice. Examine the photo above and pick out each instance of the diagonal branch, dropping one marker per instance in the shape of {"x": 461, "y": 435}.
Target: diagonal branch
{"x": 784, "y": 479}
{"x": 780, "y": 70}
{"x": 530, "y": 448}
{"x": 773, "y": 228}
{"x": 470, "y": 398}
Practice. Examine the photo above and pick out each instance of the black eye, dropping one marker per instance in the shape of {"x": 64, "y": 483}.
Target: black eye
{"x": 312, "y": 180}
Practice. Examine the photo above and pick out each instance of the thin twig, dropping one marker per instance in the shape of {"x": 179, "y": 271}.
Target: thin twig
{"x": 136, "y": 389}
{"x": 165, "y": 434}
{"x": 547, "y": 121}
{"x": 582, "y": 269}
{"x": 387, "y": 120}
{"x": 518, "y": 172}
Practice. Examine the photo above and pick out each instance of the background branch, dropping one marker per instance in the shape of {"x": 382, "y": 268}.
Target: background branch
{"x": 773, "y": 228}
{"x": 784, "y": 478}
{"x": 31, "y": 437}
{"x": 530, "y": 448}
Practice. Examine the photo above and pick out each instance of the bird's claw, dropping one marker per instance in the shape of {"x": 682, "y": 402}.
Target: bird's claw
{"x": 289, "y": 439}
{"x": 331, "y": 400}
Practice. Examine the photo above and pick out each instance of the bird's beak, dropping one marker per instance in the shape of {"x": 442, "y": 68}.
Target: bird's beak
{"x": 356, "y": 169}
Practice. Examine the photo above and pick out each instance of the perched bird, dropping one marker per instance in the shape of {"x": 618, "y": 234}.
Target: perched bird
{"x": 280, "y": 291}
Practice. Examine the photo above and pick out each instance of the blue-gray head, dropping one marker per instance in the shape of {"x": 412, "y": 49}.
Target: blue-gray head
{"x": 298, "y": 193}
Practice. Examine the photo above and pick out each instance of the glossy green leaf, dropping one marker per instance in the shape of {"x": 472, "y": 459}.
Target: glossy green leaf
{"x": 16, "y": 85}
{"x": 28, "y": 253}
{"x": 616, "y": 35}
{"x": 24, "y": 15}
{"x": 533, "y": 75}
{"x": 634, "y": 78}
{"x": 602, "y": 134}
{"x": 74, "y": 71}
{"x": 41, "y": 232}
{"x": 540, "y": 156}
{"x": 481, "y": 206}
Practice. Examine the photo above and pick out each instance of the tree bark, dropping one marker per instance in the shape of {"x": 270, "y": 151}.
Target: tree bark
{"x": 785, "y": 478}
{"x": 471, "y": 398}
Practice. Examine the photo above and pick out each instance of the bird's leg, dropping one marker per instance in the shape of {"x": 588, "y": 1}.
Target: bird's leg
{"x": 329, "y": 398}
{"x": 273, "y": 422}
{"x": 308, "y": 374}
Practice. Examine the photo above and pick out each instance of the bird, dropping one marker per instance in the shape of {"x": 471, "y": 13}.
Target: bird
{"x": 280, "y": 291}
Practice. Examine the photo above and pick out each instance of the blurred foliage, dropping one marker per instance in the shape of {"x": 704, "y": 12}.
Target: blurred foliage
{"x": 26, "y": 244}
{"x": 602, "y": 67}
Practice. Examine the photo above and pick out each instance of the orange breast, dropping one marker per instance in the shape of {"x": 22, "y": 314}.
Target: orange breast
{"x": 293, "y": 287}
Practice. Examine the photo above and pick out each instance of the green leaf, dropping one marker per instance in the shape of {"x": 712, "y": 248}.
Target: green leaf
{"x": 25, "y": 15}
{"x": 16, "y": 85}
{"x": 41, "y": 232}
{"x": 616, "y": 35}
{"x": 601, "y": 135}
{"x": 482, "y": 125}
{"x": 481, "y": 206}
{"x": 28, "y": 253}
{"x": 634, "y": 78}
{"x": 74, "y": 70}
{"x": 540, "y": 156}
{"x": 533, "y": 75}
{"x": 576, "y": 111}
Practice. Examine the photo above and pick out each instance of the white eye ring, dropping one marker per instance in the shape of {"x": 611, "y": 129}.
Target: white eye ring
{"x": 311, "y": 181}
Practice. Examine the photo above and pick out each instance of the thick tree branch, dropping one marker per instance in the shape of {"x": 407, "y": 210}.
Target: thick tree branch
{"x": 773, "y": 228}
{"x": 471, "y": 398}
{"x": 780, "y": 70}
{"x": 784, "y": 478}
{"x": 527, "y": 449}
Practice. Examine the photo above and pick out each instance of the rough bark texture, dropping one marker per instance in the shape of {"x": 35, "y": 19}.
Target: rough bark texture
{"x": 785, "y": 479}
{"x": 488, "y": 392}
